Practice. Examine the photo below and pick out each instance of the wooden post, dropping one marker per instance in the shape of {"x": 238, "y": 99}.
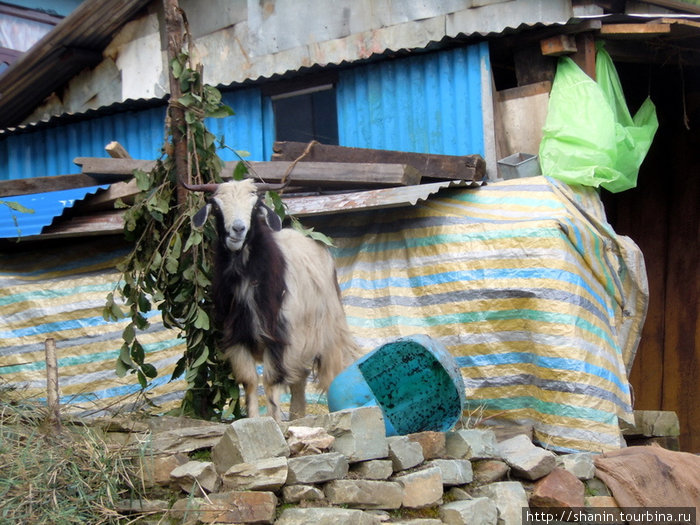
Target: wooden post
{"x": 174, "y": 32}
{"x": 52, "y": 390}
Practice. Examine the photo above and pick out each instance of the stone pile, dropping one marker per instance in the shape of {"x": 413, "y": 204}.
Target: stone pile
{"x": 341, "y": 468}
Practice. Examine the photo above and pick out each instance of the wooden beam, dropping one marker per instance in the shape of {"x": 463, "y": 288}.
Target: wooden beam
{"x": 325, "y": 174}
{"x": 585, "y": 56}
{"x": 443, "y": 167}
{"x": 635, "y": 30}
{"x": 337, "y": 174}
{"x": 43, "y": 184}
{"x": 558, "y": 45}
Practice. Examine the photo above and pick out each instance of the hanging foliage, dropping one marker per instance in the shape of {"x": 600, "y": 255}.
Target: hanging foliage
{"x": 170, "y": 267}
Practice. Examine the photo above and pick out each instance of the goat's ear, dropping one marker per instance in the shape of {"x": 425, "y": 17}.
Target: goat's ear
{"x": 269, "y": 216}
{"x": 201, "y": 216}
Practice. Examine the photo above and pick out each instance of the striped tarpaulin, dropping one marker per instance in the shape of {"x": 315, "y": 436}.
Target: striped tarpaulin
{"x": 524, "y": 282}
{"x": 58, "y": 290}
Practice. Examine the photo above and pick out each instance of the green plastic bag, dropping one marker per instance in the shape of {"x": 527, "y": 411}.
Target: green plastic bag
{"x": 589, "y": 136}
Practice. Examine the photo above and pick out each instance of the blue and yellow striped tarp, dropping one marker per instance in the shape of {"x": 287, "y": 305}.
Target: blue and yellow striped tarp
{"x": 57, "y": 290}
{"x": 524, "y": 282}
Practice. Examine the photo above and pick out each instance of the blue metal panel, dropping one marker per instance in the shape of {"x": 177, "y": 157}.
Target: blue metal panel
{"x": 47, "y": 151}
{"x": 428, "y": 103}
{"x": 244, "y": 130}
{"x": 45, "y": 208}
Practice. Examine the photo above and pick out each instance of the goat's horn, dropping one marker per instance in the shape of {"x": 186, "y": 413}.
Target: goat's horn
{"x": 263, "y": 186}
{"x": 207, "y": 188}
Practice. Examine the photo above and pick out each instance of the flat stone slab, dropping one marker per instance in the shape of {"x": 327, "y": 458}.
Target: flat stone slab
{"x": 196, "y": 477}
{"x": 228, "y": 507}
{"x": 404, "y": 453}
{"x": 477, "y": 511}
{"x": 317, "y": 468}
{"x": 367, "y": 494}
{"x": 263, "y": 474}
{"x": 453, "y": 471}
{"x": 373, "y": 469}
{"x": 510, "y": 499}
{"x": 471, "y": 444}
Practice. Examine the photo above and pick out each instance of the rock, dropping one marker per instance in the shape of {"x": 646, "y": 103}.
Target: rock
{"x": 471, "y": 444}
{"x": 526, "y": 460}
{"x": 651, "y": 423}
{"x": 183, "y": 440}
{"x": 477, "y": 511}
{"x": 297, "y": 493}
{"x": 432, "y": 443}
{"x": 326, "y": 516}
{"x": 580, "y": 465}
{"x": 458, "y": 494}
{"x": 601, "y": 501}
{"x": 510, "y": 500}
{"x": 364, "y": 493}
{"x": 454, "y": 471}
{"x": 359, "y": 433}
{"x": 303, "y": 441}
{"x": 559, "y": 488}
{"x": 196, "y": 477}
{"x": 489, "y": 470}
{"x": 263, "y": 474}
{"x": 155, "y": 470}
{"x": 141, "y": 506}
{"x": 404, "y": 453}
{"x": 373, "y": 469}
{"x": 228, "y": 507}
{"x": 422, "y": 488}
{"x": 317, "y": 468}
{"x": 247, "y": 440}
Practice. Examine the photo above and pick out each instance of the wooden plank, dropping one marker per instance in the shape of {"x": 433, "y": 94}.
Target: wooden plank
{"x": 442, "y": 167}
{"x": 635, "y": 30}
{"x": 117, "y": 151}
{"x": 117, "y": 168}
{"x": 104, "y": 223}
{"x": 44, "y": 184}
{"x": 337, "y": 174}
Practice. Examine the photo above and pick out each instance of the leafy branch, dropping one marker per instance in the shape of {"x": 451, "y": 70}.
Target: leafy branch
{"x": 170, "y": 266}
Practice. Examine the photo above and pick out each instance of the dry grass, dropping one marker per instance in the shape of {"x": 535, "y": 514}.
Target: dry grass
{"x": 56, "y": 477}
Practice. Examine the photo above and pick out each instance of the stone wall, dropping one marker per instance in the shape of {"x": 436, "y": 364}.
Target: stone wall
{"x": 341, "y": 468}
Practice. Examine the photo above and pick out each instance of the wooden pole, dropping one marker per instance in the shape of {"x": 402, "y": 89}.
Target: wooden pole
{"x": 174, "y": 32}
{"x": 52, "y": 390}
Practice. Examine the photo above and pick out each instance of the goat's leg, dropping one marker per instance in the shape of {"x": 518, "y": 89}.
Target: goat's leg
{"x": 244, "y": 369}
{"x": 297, "y": 407}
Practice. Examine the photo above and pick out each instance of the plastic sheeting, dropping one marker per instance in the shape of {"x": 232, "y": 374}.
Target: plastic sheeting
{"x": 538, "y": 299}
{"x": 58, "y": 290}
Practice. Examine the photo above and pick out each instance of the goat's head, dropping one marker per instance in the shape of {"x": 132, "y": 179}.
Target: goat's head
{"x": 236, "y": 204}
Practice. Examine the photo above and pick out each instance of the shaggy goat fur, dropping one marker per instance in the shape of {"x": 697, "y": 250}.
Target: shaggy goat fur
{"x": 277, "y": 301}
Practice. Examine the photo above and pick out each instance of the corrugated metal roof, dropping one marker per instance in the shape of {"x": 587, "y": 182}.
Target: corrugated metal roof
{"x": 76, "y": 42}
{"x": 45, "y": 206}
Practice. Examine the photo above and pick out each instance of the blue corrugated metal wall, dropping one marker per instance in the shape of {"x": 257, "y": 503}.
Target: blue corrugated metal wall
{"x": 50, "y": 151}
{"x": 428, "y": 103}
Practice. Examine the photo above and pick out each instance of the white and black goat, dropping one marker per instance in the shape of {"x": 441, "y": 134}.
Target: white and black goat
{"x": 276, "y": 299}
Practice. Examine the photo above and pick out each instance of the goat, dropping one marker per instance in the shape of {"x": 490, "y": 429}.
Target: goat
{"x": 276, "y": 299}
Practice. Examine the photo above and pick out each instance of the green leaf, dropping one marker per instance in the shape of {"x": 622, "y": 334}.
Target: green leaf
{"x": 142, "y": 379}
{"x": 129, "y": 333}
{"x": 202, "y": 320}
{"x": 240, "y": 171}
{"x": 176, "y": 68}
{"x": 171, "y": 265}
{"x": 143, "y": 181}
{"x": 137, "y": 352}
{"x": 121, "y": 369}
{"x": 201, "y": 359}
{"x": 16, "y": 206}
{"x": 220, "y": 112}
{"x": 149, "y": 370}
